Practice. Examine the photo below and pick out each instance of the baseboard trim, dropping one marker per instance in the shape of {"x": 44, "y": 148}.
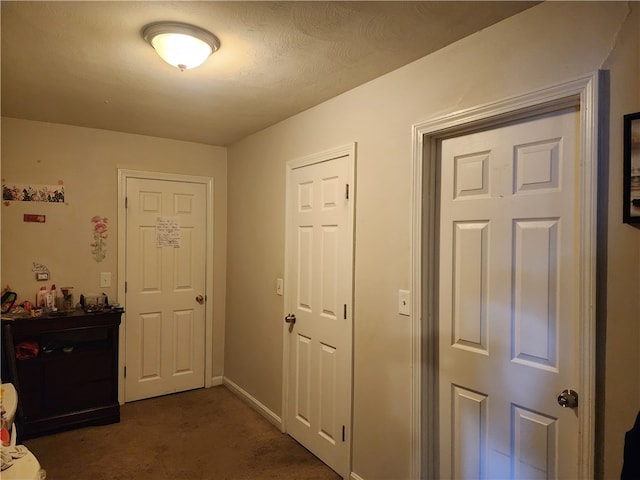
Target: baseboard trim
{"x": 253, "y": 402}
{"x": 355, "y": 476}
{"x": 216, "y": 381}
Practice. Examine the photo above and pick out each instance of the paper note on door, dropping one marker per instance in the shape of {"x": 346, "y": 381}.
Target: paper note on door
{"x": 168, "y": 232}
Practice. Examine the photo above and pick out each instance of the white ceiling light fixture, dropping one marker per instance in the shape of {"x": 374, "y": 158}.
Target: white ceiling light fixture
{"x": 179, "y": 44}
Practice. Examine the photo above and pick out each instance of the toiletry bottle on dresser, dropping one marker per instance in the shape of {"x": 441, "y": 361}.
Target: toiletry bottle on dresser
{"x": 41, "y": 298}
{"x": 54, "y": 298}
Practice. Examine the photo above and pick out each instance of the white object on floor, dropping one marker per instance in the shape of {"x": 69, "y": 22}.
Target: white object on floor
{"x": 26, "y": 467}
{"x": 23, "y": 464}
{"x": 9, "y": 399}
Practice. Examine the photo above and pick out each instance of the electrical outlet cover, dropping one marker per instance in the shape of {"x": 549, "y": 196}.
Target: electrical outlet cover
{"x": 404, "y": 302}
{"x": 105, "y": 279}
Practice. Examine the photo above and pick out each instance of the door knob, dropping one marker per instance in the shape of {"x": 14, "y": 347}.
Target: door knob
{"x": 291, "y": 318}
{"x": 200, "y": 299}
{"x": 568, "y": 399}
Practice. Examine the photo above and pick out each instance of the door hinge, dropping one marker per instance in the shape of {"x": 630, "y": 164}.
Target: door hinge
{"x": 347, "y": 192}
{"x": 125, "y": 371}
{"x": 126, "y": 202}
{"x": 125, "y": 287}
{"x": 345, "y": 311}
{"x": 344, "y": 434}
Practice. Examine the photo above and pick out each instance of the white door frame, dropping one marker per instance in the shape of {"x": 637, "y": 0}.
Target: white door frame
{"x": 343, "y": 151}
{"x": 123, "y": 175}
{"x": 582, "y": 91}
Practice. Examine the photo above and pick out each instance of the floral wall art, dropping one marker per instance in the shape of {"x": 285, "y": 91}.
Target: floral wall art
{"x": 100, "y": 235}
{"x": 33, "y": 193}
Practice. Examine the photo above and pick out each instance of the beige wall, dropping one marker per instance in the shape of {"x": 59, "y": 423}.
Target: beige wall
{"x": 622, "y": 356}
{"x": 551, "y": 43}
{"x": 87, "y": 162}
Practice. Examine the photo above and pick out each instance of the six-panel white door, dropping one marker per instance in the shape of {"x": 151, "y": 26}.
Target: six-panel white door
{"x": 508, "y": 301}
{"x": 165, "y": 275}
{"x": 319, "y": 285}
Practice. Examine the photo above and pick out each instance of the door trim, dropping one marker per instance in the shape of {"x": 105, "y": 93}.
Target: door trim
{"x": 348, "y": 151}
{"x": 583, "y": 92}
{"x": 123, "y": 175}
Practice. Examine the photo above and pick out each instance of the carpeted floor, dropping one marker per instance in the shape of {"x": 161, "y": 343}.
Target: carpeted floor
{"x": 196, "y": 435}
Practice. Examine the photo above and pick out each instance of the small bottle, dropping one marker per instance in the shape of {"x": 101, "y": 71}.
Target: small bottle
{"x": 54, "y": 298}
{"x": 41, "y": 300}
{"x": 48, "y": 302}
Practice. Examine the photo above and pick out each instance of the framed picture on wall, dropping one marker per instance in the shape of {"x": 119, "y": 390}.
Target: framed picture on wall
{"x": 631, "y": 201}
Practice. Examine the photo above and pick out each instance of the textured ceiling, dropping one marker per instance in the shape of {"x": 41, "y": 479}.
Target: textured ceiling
{"x": 86, "y": 64}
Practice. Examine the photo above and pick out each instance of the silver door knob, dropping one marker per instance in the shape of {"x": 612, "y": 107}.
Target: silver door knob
{"x": 568, "y": 399}
{"x": 200, "y": 299}
{"x": 291, "y": 318}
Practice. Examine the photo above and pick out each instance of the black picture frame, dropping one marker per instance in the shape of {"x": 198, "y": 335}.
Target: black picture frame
{"x": 631, "y": 189}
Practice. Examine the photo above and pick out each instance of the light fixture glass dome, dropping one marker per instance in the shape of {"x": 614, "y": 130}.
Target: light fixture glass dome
{"x": 181, "y": 45}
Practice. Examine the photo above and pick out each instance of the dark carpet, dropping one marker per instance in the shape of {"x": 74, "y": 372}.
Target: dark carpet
{"x": 201, "y": 434}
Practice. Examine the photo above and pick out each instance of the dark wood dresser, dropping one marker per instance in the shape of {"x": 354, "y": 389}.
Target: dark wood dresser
{"x": 73, "y": 379}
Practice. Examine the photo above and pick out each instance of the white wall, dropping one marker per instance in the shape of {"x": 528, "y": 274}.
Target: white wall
{"x": 87, "y": 161}
{"x": 548, "y": 44}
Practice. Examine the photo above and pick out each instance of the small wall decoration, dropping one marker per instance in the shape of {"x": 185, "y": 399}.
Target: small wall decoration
{"x": 42, "y": 272}
{"x": 631, "y": 189}
{"x": 99, "y": 245}
{"x": 33, "y": 193}
{"x": 34, "y": 218}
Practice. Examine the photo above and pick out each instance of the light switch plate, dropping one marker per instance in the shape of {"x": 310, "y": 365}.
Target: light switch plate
{"x": 105, "y": 279}
{"x": 279, "y": 286}
{"x": 404, "y": 302}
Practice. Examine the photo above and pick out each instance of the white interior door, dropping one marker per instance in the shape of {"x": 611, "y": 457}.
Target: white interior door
{"x": 508, "y": 301}
{"x": 319, "y": 285}
{"x": 165, "y": 287}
